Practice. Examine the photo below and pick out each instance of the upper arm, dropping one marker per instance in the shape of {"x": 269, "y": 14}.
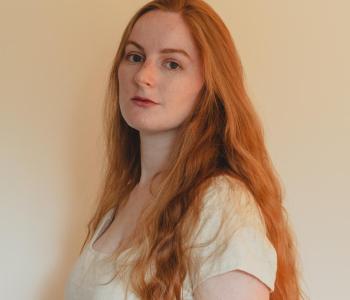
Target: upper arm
{"x": 233, "y": 285}
{"x": 241, "y": 263}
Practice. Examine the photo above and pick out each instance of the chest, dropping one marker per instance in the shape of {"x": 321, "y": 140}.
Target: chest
{"x": 123, "y": 225}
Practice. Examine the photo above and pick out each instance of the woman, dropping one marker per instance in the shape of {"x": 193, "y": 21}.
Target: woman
{"x": 191, "y": 207}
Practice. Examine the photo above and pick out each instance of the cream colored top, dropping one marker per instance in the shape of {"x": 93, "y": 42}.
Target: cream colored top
{"x": 248, "y": 247}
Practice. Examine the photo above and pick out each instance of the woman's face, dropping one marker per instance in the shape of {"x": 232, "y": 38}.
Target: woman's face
{"x": 171, "y": 79}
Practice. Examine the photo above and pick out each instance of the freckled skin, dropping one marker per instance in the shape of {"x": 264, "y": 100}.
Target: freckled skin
{"x": 171, "y": 79}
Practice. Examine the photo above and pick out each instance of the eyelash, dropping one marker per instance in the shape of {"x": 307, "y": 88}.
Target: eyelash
{"x": 171, "y": 61}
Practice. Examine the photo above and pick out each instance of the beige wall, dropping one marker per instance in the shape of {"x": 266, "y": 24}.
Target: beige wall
{"x": 54, "y": 60}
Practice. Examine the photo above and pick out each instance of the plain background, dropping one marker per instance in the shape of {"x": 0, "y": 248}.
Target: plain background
{"x": 55, "y": 57}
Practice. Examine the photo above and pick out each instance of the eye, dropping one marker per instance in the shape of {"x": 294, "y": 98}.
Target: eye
{"x": 174, "y": 64}
{"x": 130, "y": 55}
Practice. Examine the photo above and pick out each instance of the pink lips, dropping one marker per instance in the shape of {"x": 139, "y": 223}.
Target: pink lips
{"x": 143, "y": 102}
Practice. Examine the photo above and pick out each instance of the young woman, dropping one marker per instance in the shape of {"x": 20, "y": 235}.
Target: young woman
{"x": 191, "y": 207}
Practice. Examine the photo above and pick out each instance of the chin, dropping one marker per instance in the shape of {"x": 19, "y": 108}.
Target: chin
{"x": 139, "y": 126}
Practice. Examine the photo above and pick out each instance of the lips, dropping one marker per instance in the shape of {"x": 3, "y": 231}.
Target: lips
{"x": 146, "y": 100}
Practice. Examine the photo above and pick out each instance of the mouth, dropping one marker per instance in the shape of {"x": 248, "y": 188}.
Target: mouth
{"x": 144, "y": 100}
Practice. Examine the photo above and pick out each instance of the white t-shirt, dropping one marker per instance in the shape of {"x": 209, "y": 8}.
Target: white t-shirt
{"x": 248, "y": 248}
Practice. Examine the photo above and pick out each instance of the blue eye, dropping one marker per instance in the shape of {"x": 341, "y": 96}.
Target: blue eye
{"x": 176, "y": 65}
{"x": 130, "y": 55}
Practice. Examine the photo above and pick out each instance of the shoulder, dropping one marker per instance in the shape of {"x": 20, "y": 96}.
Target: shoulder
{"x": 226, "y": 189}
{"x": 228, "y": 211}
{"x": 229, "y": 198}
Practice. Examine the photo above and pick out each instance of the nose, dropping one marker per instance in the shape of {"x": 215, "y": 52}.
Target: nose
{"x": 145, "y": 74}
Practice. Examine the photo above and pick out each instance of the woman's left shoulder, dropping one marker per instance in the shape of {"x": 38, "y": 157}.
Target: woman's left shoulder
{"x": 229, "y": 196}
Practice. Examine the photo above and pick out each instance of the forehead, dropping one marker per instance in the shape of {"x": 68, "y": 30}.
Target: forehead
{"x": 157, "y": 29}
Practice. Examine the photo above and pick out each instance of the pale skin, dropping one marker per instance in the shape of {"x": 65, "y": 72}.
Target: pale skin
{"x": 173, "y": 80}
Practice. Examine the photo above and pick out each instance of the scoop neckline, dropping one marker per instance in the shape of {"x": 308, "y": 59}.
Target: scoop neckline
{"x": 101, "y": 254}
{"x": 108, "y": 217}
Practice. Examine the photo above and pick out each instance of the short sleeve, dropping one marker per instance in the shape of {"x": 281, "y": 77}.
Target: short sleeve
{"x": 232, "y": 236}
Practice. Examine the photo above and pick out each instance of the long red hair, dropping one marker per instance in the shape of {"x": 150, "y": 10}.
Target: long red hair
{"x": 226, "y": 135}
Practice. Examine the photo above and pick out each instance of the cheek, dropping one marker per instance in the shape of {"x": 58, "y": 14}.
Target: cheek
{"x": 180, "y": 103}
{"x": 121, "y": 76}
{"x": 124, "y": 82}
{"x": 185, "y": 93}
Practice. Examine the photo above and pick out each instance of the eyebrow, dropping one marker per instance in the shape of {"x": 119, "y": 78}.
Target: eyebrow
{"x": 166, "y": 50}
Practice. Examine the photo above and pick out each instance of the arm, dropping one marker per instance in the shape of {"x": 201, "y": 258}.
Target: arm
{"x": 233, "y": 285}
{"x": 242, "y": 262}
